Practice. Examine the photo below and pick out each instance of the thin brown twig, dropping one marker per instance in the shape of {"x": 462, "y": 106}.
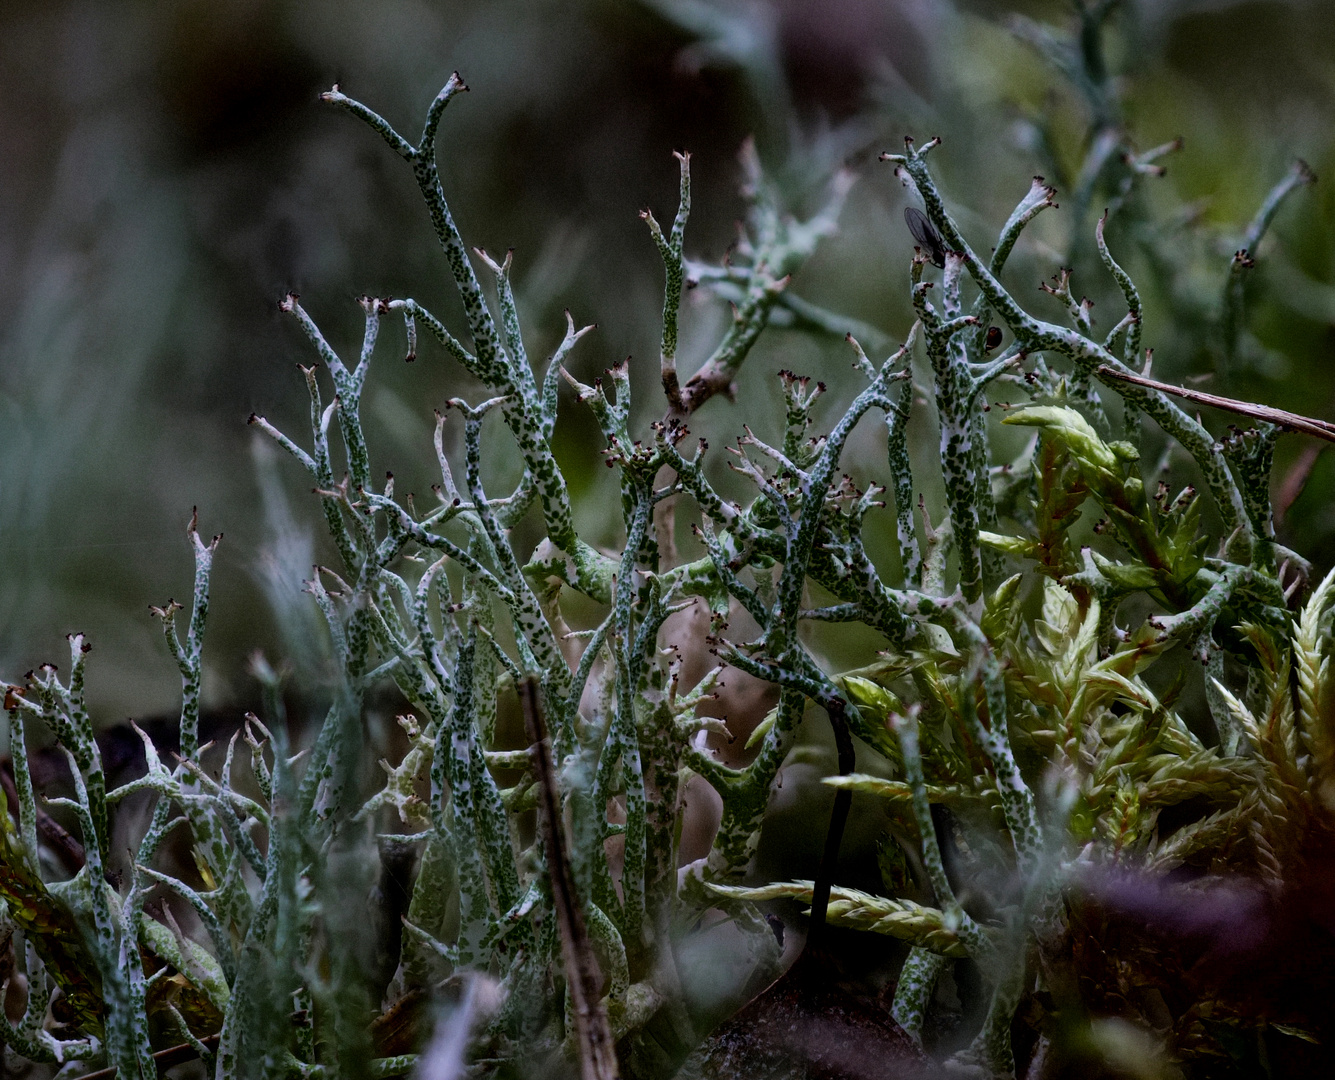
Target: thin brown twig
{"x": 57, "y": 838}
{"x": 164, "y": 1059}
{"x": 597, "y": 1054}
{"x": 1294, "y": 481}
{"x": 1321, "y": 429}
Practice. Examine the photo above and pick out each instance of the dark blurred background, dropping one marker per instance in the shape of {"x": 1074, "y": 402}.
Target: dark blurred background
{"x": 167, "y": 173}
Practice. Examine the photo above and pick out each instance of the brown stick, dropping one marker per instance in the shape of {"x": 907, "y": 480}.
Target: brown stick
{"x": 57, "y": 838}
{"x": 1294, "y": 481}
{"x": 1320, "y": 429}
{"x": 164, "y": 1059}
{"x": 597, "y": 1054}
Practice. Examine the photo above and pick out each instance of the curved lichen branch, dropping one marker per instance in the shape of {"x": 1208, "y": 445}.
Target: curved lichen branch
{"x": 188, "y": 654}
{"x": 905, "y": 727}
{"x": 497, "y": 356}
{"x": 347, "y": 384}
{"x": 1038, "y": 198}
{"x": 525, "y": 609}
{"x": 374, "y": 120}
{"x": 670, "y": 248}
{"x": 426, "y": 146}
{"x": 1131, "y": 324}
{"x": 1300, "y": 174}
{"x": 1088, "y": 356}
{"x": 1244, "y": 258}
{"x": 423, "y": 160}
{"x": 772, "y": 248}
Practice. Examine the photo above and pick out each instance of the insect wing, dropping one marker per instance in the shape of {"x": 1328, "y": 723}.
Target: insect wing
{"x": 925, "y": 233}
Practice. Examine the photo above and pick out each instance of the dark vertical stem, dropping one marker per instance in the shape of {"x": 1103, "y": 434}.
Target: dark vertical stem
{"x": 843, "y": 801}
{"x": 597, "y": 1055}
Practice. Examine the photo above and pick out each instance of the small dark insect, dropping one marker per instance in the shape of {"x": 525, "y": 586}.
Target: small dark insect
{"x": 929, "y": 240}
{"x": 993, "y": 338}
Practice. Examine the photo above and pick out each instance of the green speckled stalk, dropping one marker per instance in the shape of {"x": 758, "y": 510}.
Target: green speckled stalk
{"x": 1017, "y": 800}
{"x": 1299, "y": 175}
{"x": 959, "y": 461}
{"x": 906, "y": 729}
{"x": 670, "y": 248}
{"x": 1085, "y": 354}
{"x": 914, "y": 989}
{"x": 452, "y": 765}
{"x": 897, "y": 452}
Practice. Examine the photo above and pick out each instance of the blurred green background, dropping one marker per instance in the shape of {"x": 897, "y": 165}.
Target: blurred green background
{"x": 167, "y": 173}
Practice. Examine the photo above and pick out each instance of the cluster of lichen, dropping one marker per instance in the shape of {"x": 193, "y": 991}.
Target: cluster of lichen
{"x": 1022, "y": 703}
